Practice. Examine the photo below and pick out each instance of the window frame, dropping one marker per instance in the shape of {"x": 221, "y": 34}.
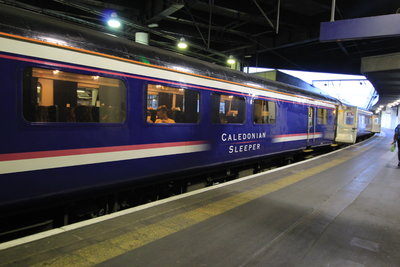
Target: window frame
{"x": 25, "y": 87}
{"x": 347, "y": 117}
{"x": 253, "y": 113}
{"x": 178, "y": 124}
{"x": 323, "y": 120}
{"x": 233, "y": 95}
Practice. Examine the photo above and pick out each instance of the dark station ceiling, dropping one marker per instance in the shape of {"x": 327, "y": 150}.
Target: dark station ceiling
{"x": 265, "y": 33}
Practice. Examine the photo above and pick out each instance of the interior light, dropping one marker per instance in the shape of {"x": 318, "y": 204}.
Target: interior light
{"x": 231, "y": 60}
{"x": 113, "y": 21}
{"x": 182, "y": 44}
{"x": 56, "y": 71}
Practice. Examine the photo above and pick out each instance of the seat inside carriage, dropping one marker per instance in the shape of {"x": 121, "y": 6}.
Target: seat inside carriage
{"x": 75, "y": 114}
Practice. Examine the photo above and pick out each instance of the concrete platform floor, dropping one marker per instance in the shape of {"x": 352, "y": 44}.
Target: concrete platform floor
{"x": 342, "y": 209}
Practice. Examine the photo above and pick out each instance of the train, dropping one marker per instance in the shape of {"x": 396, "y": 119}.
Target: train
{"x": 88, "y": 110}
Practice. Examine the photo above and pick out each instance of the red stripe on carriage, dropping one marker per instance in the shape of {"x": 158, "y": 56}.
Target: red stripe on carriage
{"x": 83, "y": 151}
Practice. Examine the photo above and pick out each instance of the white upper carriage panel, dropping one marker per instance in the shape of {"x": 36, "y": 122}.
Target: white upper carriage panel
{"x": 77, "y": 45}
{"x": 50, "y": 51}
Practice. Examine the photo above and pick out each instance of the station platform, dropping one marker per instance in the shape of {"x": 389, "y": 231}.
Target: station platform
{"x": 339, "y": 209}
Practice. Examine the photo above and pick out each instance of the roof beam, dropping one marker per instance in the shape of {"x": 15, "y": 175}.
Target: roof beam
{"x": 103, "y": 4}
{"x": 227, "y": 12}
{"x": 169, "y": 10}
{"x": 263, "y": 13}
{"x": 205, "y": 26}
{"x": 137, "y": 26}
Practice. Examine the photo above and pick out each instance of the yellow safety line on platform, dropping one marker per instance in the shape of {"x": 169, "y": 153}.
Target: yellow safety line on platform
{"x": 105, "y": 250}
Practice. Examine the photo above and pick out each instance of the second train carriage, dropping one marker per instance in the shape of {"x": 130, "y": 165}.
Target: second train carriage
{"x": 79, "y": 111}
{"x": 354, "y": 123}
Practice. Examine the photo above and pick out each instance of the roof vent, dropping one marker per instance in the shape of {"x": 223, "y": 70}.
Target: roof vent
{"x": 142, "y": 38}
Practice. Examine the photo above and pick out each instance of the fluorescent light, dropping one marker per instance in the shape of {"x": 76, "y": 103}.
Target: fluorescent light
{"x": 153, "y": 25}
{"x": 113, "y": 21}
{"x": 231, "y": 60}
{"x": 182, "y": 44}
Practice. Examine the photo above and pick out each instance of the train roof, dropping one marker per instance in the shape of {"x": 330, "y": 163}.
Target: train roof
{"x": 40, "y": 27}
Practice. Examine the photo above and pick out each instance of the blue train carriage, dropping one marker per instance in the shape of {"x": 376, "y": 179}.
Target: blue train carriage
{"x": 87, "y": 110}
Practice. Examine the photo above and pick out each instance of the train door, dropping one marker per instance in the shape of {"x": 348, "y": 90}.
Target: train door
{"x": 311, "y": 126}
{"x": 346, "y": 130}
{"x": 376, "y": 126}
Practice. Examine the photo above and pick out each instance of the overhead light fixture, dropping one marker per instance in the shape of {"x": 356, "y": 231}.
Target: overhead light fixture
{"x": 113, "y": 21}
{"x": 231, "y": 60}
{"x": 153, "y": 25}
{"x": 182, "y": 44}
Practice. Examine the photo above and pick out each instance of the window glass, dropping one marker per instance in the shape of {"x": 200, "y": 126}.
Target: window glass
{"x": 228, "y": 108}
{"x": 369, "y": 121}
{"x": 58, "y": 96}
{"x": 322, "y": 116}
{"x": 264, "y": 112}
{"x": 361, "y": 120}
{"x": 310, "y": 117}
{"x": 167, "y": 104}
{"x": 349, "y": 116}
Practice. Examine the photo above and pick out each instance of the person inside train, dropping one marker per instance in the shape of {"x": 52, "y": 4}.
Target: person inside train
{"x": 396, "y": 138}
{"x": 162, "y": 115}
{"x": 148, "y": 117}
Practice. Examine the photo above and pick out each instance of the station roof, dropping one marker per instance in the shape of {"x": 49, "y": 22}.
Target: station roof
{"x": 283, "y": 34}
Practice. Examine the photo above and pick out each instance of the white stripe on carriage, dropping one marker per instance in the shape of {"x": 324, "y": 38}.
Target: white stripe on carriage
{"x": 295, "y": 138}
{"x": 14, "y": 166}
{"x": 80, "y": 58}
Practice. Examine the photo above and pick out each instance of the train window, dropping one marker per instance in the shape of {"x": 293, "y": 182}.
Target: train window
{"x": 228, "y": 108}
{"x": 264, "y": 112}
{"x": 322, "y": 116}
{"x": 361, "y": 120}
{"x": 58, "y": 96}
{"x": 167, "y": 104}
{"x": 368, "y": 120}
{"x": 349, "y": 118}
